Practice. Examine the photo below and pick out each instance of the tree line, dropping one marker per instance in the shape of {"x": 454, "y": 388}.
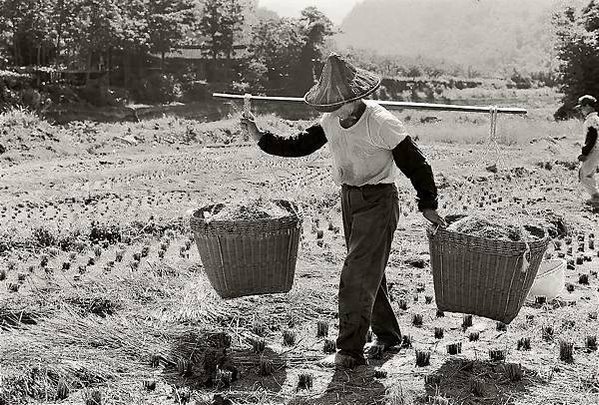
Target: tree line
{"x": 123, "y": 34}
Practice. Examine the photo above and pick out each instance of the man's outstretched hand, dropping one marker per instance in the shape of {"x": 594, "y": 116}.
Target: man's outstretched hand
{"x": 434, "y": 217}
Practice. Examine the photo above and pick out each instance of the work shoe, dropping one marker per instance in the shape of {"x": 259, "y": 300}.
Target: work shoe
{"x": 377, "y": 347}
{"x": 342, "y": 361}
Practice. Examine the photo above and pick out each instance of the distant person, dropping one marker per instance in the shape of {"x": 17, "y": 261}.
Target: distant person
{"x": 590, "y": 153}
{"x": 367, "y": 144}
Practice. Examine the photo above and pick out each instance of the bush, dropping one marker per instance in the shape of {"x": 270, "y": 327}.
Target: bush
{"x": 158, "y": 88}
{"x": 98, "y": 95}
{"x": 196, "y": 90}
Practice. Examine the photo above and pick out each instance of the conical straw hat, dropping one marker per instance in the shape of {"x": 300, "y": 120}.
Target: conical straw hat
{"x": 340, "y": 82}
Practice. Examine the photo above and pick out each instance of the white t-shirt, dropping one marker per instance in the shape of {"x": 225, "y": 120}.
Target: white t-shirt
{"x": 592, "y": 121}
{"x": 362, "y": 153}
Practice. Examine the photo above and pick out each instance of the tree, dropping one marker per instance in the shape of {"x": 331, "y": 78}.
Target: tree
{"x": 276, "y": 49}
{"x": 578, "y": 51}
{"x": 168, "y": 22}
{"x": 315, "y": 27}
{"x": 220, "y": 22}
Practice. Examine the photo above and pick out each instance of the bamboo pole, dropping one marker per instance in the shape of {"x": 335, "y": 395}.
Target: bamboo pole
{"x": 390, "y": 104}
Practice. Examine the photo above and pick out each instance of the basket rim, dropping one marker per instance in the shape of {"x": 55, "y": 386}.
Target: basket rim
{"x": 432, "y": 232}
{"x": 297, "y": 215}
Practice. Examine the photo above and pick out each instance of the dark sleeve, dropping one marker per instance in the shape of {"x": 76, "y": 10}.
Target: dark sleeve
{"x": 303, "y": 144}
{"x": 590, "y": 141}
{"x": 413, "y": 164}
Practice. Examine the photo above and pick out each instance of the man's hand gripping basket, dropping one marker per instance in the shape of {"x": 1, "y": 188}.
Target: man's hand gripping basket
{"x": 248, "y": 257}
{"x": 484, "y": 277}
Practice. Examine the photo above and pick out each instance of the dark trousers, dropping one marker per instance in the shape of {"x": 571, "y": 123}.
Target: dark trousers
{"x": 370, "y": 215}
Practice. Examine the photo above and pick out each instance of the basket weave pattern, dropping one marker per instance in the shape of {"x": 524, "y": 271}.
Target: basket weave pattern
{"x": 248, "y": 257}
{"x": 484, "y": 277}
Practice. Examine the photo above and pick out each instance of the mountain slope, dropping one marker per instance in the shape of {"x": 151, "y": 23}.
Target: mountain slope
{"x": 491, "y": 36}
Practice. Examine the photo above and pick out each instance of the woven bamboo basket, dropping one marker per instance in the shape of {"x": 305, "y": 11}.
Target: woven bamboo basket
{"x": 480, "y": 276}
{"x": 248, "y": 257}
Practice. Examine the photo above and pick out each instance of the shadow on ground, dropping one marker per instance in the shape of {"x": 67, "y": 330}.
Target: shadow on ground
{"x": 356, "y": 387}
{"x": 479, "y": 382}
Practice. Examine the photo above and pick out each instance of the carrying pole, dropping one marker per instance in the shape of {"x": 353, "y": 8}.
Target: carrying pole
{"x": 391, "y": 104}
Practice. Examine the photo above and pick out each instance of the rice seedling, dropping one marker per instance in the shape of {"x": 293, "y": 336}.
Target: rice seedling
{"x": 91, "y": 261}
{"x": 288, "y": 337}
{"x": 420, "y": 287}
{"x": 224, "y": 378}
{"x": 540, "y": 300}
{"x": 523, "y": 343}
{"x": 13, "y": 287}
{"x": 428, "y": 299}
{"x": 514, "y": 372}
{"x": 149, "y": 385}
{"x": 322, "y": 329}
{"x": 43, "y": 260}
{"x": 497, "y": 354}
{"x": 137, "y": 256}
{"x": 422, "y": 358}
{"x": 417, "y": 319}
{"x": 403, "y": 305}
{"x": 98, "y": 251}
{"x": 478, "y": 388}
{"x": 591, "y": 342}
{"x": 134, "y": 265}
{"x": 62, "y": 390}
{"x": 119, "y": 255}
{"x": 82, "y": 269}
{"x": 72, "y": 256}
{"x": 438, "y": 400}
{"x": 76, "y": 277}
{"x": 380, "y": 374}
{"x": 547, "y": 332}
{"x": 454, "y": 348}
{"x": 440, "y": 314}
{"x": 66, "y": 266}
{"x": 329, "y": 346}
{"x": 570, "y": 287}
{"x": 258, "y": 345}
{"x": 432, "y": 380}
{"x": 474, "y": 336}
{"x": 21, "y": 277}
{"x": 182, "y": 395}
{"x": 593, "y": 315}
{"x": 583, "y": 279}
{"x": 184, "y": 367}
{"x": 305, "y": 381}
{"x": 368, "y": 336}
{"x": 145, "y": 251}
{"x": 406, "y": 342}
{"x": 500, "y": 326}
{"x": 154, "y": 360}
{"x": 258, "y": 328}
{"x": 266, "y": 366}
{"x": 93, "y": 397}
{"x": 439, "y": 332}
{"x": 466, "y": 321}
{"x": 566, "y": 351}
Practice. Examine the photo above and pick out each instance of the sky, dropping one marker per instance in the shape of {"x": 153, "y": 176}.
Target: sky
{"x": 336, "y": 10}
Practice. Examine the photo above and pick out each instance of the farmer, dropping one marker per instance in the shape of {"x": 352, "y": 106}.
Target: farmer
{"x": 590, "y": 154}
{"x": 367, "y": 144}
